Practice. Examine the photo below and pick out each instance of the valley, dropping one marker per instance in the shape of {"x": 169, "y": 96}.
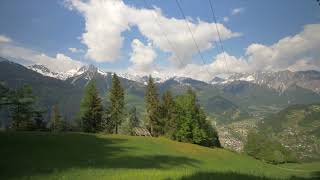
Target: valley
{"x": 235, "y": 105}
{"x": 168, "y": 90}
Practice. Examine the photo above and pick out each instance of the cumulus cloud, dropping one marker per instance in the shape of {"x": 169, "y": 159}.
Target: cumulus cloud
{"x": 26, "y": 56}
{"x": 5, "y": 39}
{"x": 301, "y": 49}
{"x": 222, "y": 63}
{"x": 296, "y": 53}
{"x": 142, "y": 56}
{"x": 104, "y": 23}
{"x": 237, "y": 11}
{"x": 107, "y": 20}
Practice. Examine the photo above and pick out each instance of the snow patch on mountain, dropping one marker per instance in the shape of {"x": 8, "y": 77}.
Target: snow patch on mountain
{"x": 39, "y": 68}
{"x": 143, "y": 78}
{"x": 45, "y": 71}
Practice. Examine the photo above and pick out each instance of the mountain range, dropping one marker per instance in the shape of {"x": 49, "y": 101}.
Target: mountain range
{"x": 279, "y": 81}
{"x": 241, "y": 95}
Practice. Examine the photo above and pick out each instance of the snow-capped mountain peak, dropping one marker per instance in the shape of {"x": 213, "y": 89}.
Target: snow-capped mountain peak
{"x": 39, "y": 68}
{"x": 143, "y": 78}
{"x": 42, "y": 69}
{"x": 280, "y": 80}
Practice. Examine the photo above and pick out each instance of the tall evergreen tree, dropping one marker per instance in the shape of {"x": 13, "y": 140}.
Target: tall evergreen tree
{"x": 152, "y": 107}
{"x": 107, "y": 124}
{"x": 116, "y": 108}
{"x": 40, "y": 123}
{"x": 167, "y": 111}
{"x": 57, "y": 123}
{"x": 91, "y": 109}
{"x": 22, "y": 108}
{"x": 133, "y": 120}
{"x": 4, "y": 95}
{"x": 193, "y": 125}
{"x": 5, "y": 101}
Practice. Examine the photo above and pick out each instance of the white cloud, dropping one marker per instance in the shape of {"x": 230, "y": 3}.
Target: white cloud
{"x": 179, "y": 35}
{"x": 303, "y": 65}
{"x": 5, "y": 39}
{"x": 107, "y": 20}
{"x": 104, "y": 23}
{"x": 75, "y": 50}
{"x": 142, "y": 56}
{"x": 221, "y": 64}
{"x": 26, "y": 56}
{"x": 296, "y": 53}
{"x": 237, "y": 11}
{"x": 292, "y": 50}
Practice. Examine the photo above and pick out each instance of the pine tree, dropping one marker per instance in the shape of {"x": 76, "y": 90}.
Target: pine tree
{"x": 133, "y": 120}
{"x": 116, "y": 109}
{"x": 168, "y": 113}
{"x": 91, "y": 109}
{"x": 193, "y": 125}
{"x": 4, "y": 95}
{"x": 22, "y": 108}
{"x": 39, "y": 120}
{"x": 57, "y": 123}
{"x": 152, "y": 108}
{"x": 107, "y": 125}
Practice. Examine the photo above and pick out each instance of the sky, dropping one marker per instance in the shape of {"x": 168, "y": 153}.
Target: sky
{"x": 152, "y": 37}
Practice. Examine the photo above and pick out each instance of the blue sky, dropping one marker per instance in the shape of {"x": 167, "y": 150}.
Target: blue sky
{"x": 50, "y": 27}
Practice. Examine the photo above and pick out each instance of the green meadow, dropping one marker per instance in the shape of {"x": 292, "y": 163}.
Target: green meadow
{"x": 39, "y": 155}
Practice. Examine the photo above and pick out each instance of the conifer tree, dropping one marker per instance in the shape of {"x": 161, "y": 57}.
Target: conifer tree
{"x": 152, "y": 108}
{"x": 133, "y": 120}
{"x": 116, "y": 109}
{"x": 91, "y": 109}
{"x": 4, "y": 95}
{"x": 193, "y": 125}
{"x": 22, "y": 108}
{"x": 107, "y": 125}
{"x": 168, "y": 113}
{"x": 57, "y": 123}
{"x": 40, "y": 123}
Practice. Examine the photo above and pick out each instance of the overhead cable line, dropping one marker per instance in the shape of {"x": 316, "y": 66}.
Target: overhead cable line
{"x": 171, "y": 44}
{"x": 173, "y": 47}
{"x": 222, "y": 47}
{"x": 221, "y": 44}
{"x": 195, "y": 42}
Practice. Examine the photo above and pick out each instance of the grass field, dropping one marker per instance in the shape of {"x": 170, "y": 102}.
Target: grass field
{"x": 96, "y": 156}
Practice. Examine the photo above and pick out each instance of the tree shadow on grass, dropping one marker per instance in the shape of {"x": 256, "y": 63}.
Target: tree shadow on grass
{"x": 314, "y": 176}
{"x": 222, "y": 175}
{"x": 237, "y": 176}
{"x": 30, "y": 154}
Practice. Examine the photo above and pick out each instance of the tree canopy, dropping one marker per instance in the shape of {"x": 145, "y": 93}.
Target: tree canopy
{"x": 91, "y": 109}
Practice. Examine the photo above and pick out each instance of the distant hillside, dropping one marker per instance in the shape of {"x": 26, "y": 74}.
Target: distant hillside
{"x": 50, "y": 91}
{"x": 298, "y": 128}
{"x": 224, "y": 110}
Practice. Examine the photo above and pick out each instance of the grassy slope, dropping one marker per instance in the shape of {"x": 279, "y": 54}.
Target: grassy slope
{"x": 88, "y": 156}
